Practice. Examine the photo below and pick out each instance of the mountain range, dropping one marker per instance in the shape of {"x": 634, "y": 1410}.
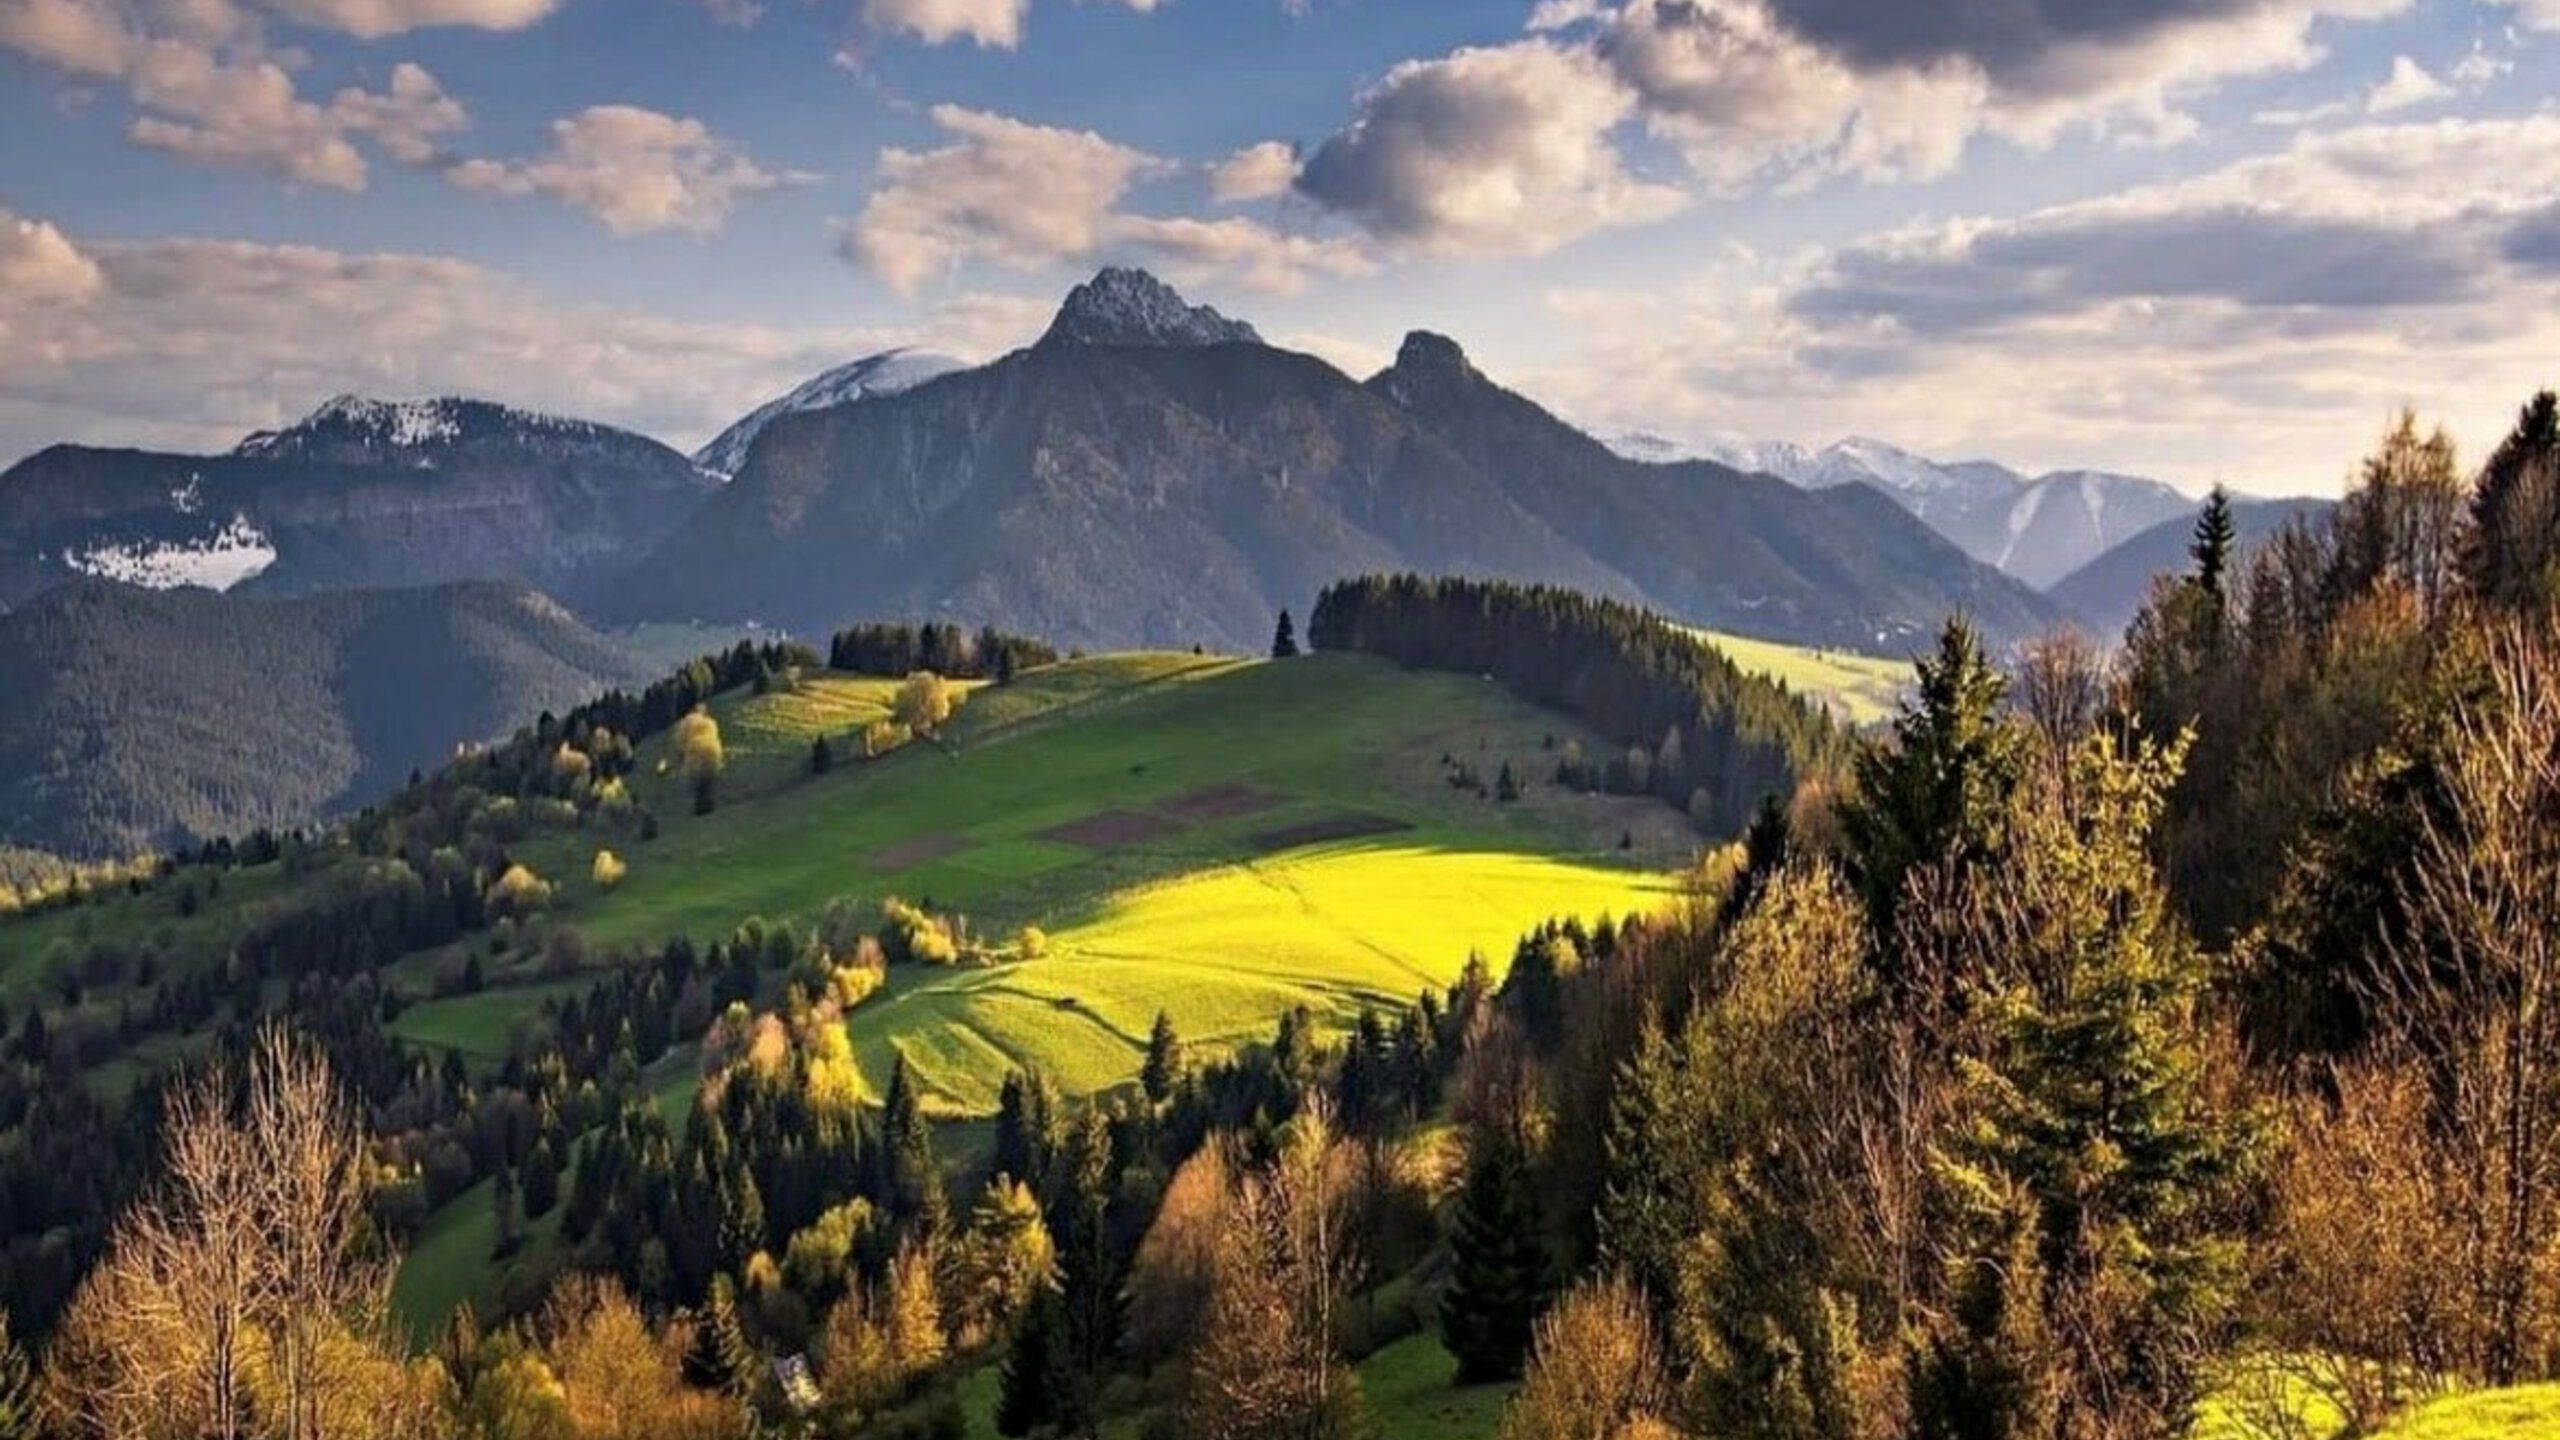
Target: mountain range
{"x": 1148, "y": 472}
{"x": 2037, "y": 528}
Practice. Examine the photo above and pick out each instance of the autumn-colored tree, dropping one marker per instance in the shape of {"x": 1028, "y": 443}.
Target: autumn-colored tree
{"x": 922, "y": 703}
{"x": 1597, "y": 1372}
{"x": 609, "y": 870}
{"x": 242, "y": 1296}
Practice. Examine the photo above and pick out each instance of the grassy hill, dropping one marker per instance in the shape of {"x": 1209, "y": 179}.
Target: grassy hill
{"x": 1221, "y": 839}
{"x": 1857, "y": 689}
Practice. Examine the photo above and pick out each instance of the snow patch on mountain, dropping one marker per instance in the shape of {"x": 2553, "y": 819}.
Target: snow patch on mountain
{"x": 382, "y": 426}
{"x": 889, "y": 373}
{"x": 235, "y": 552}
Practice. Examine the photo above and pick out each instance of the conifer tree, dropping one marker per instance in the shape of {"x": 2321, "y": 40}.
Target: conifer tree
{"x": 1941, "y": 787}
{"x": 541, "y": 1181}
{"x": 1088, "y": 1274}
{"x": 1284, "y": 639}
{"x": 915, "y": 1189}
{"x": 1498, "y": 1265}
{"x": 509, "y": 1218}
{"x": 822, "y": 756}
{"x": 1034, "y": 1373}
{"x": 1025, "y": 1132}
{"x": 2215, "y": 538}
{"x": 1163, "y": 1067}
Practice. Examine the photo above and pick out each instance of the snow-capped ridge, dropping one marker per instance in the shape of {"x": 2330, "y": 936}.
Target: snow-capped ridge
{"x": 403, "y": 425}
{"x": 891, "y": 372}
{"x": 230, "y": 554}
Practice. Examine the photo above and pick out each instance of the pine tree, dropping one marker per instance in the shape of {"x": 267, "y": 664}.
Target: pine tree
{"x": 2511, "y": 552}
{"x": 17, "y": 1388}
{"x": 1284, "y": 640}
{"x": 1089, "y": 1278}
{"x": 1498, "y": 1265}
{"x": 1034, "y": 1369}
{"x": 1942, "y": 787}
{"x": 1025, "y": 1132}
{"x": 541, "y": 1181}
{"x": 1163, "y": 1067}
{"x": 915, "y": 1191}
{"x": 509, "y": 1219}
{"x": 2215, "y": 538}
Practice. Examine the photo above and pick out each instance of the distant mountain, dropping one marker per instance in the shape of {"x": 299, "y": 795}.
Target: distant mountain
{"x": 361, "y": 493}
{"x": 140, "y": 718}
{"x": 2038, "y": 529}
{"x": 888, "y": 373}
{"x": 1149, "y": 471}
{"x": 2106, "y": 593}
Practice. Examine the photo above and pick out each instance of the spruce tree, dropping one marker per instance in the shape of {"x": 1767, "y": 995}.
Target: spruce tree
{"x": 1025, "y": 1134}
{"x": 1284, "y": 640}
{"x": 1498, "y": 1265}
{"x": 1089, "y": 1274}
{"x": 2215, "y": 538}
{"x": 1034, "y": 1369}
{"x": 541, "y": 1181}
{"x": 1163, "y": 1067}
{"x": 1942, "y": 786}
{"x": 916, "y": 1195}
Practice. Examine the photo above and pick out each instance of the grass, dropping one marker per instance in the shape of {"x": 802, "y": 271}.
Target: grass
{"x": 1859, "y": 689}
{"x": 2530, "y": 1412}
{"x": 1202, "y": 908}
{"x": 479, "y": 1026}
{"x": 1412, "y": 1395}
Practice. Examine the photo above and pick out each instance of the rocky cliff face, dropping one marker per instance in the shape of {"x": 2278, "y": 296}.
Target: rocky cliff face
{"x": 361, "y": 493}
{"x": 1150, "y": 473}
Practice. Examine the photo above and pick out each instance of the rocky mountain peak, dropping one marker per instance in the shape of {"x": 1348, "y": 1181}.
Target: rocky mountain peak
{"x": 1125, "y": 306}
{"x": 1427, "y": 364}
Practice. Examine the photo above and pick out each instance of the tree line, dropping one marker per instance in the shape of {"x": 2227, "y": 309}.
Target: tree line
{"x": 1696, "y": 730}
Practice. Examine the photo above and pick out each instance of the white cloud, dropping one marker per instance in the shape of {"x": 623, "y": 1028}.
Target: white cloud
{"x": 1776, "y": 92}
{"x": 1506, "y": 149}
{"x": 190, "y": 343}
{"x": 2325, "y": 111}
{"x": 1257, "y": 172}
{"x": 1027, "y": 197}
{"x": 1255, "y": 254}
{"x": 373, "y": 19}
{"x": 205, "y": 85}
{"x": 2406, "y": 86}
{"x": 1003, "y": 190}
{"x": 636, "y": 170}
{"x": 40, "y": 266}
{"x": 990, "y": 24}
{"x": 2478, "y": 68}
{"x": 2252, "y": 323}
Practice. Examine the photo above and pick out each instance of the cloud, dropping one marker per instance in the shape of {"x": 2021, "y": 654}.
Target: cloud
{"x": 1517, "y": 148}
{"x": 40, "y": 266}
{"x": 205, "y": 86}
{"x": 1003, "y": 190}
{"x": 1254, "y": 254}
{"x": 1027, "y": 197}
{"x": 2253, "y": 322}
{"x": 373, "y": 19}
{"x": 1257, "y": 172}
{"x": 186, "y": 343}
{"x": 990, "y": 24}
{"x": 1487, "y": 151}
{"x": 2407, "y": 85}
{"x": 636, "y": 170}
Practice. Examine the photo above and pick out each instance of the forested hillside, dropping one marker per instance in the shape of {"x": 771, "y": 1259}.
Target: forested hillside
{"x": 144, "y": 719}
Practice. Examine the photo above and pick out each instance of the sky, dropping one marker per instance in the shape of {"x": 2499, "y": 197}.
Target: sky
{"x": 2215, "y": 241}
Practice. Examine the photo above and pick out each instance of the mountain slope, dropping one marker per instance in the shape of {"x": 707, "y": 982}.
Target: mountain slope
{"x": 144, "y": 718}
{"x": 361, "y": 493}
{"x": 1151, "y": 473}
{"x": 2106, "y": 593}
